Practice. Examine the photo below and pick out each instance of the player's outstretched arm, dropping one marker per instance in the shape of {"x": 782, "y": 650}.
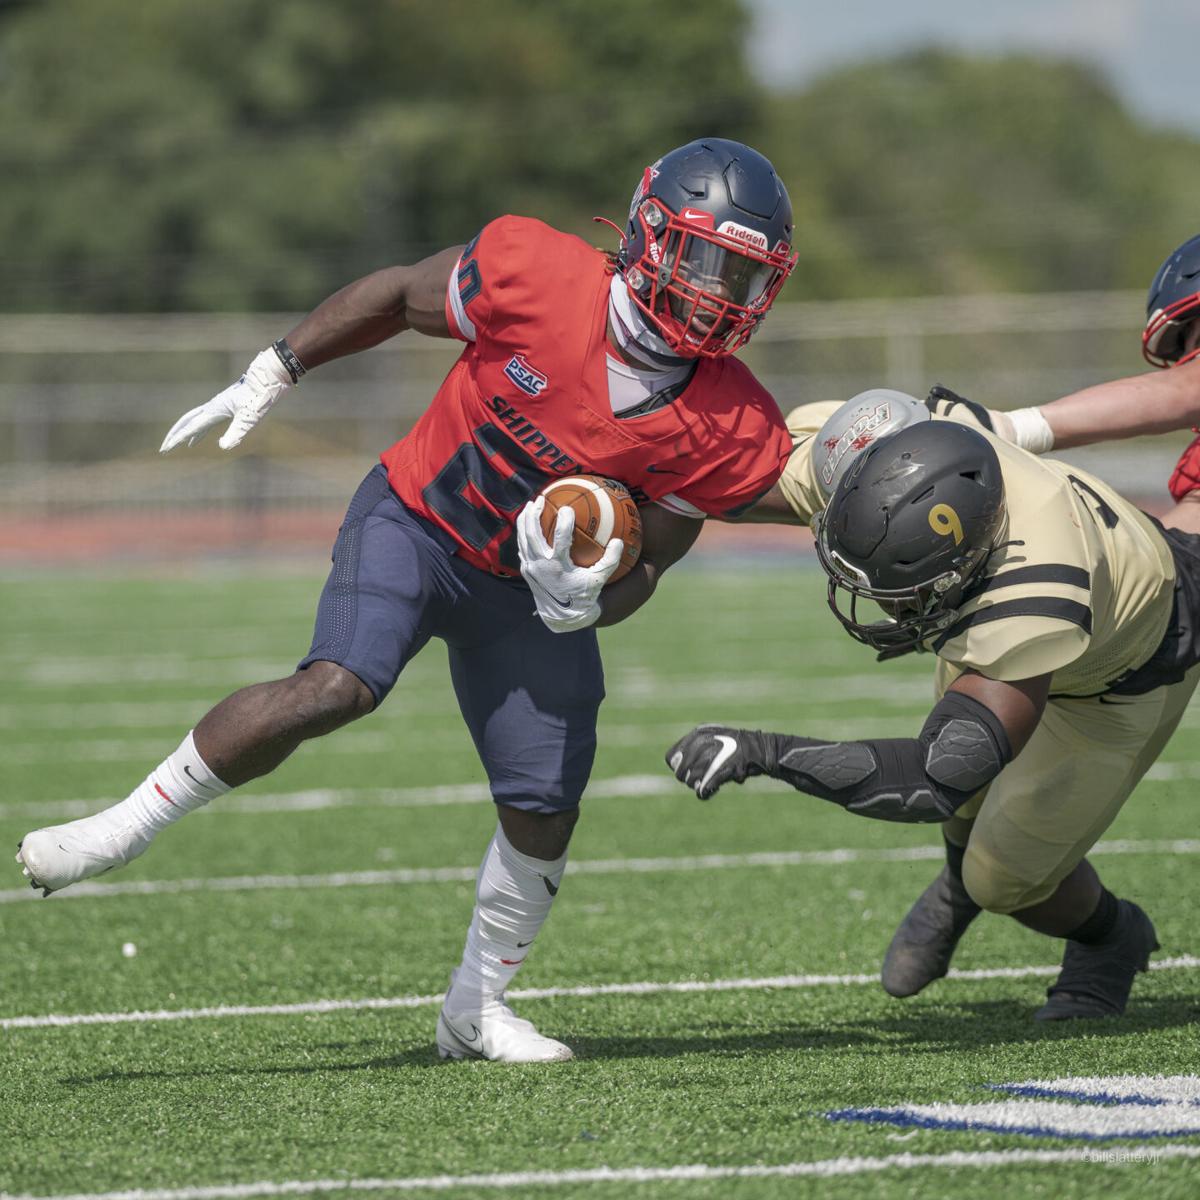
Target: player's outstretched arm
{"x": 357, "y": 317}
{"x": 972, "y": 733}
{"x": 1154, "y": 402}
{"x": 666, "y": 538}
{"x": 377, "y": 307}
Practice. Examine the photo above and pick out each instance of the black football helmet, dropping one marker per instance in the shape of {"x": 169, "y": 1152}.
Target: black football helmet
{"x": 708, "y": 245}
{"x": 911, "y": 526}
{"x": 1173, "y": 303}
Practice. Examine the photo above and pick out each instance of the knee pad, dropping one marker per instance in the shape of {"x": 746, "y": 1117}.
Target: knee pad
{"x": 996, "y": 888}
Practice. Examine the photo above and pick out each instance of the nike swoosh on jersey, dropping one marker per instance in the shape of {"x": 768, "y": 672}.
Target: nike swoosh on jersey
{"x": 558, "y": 599}
{"x": 657, "y": 470}
{"x": 550, "y": 887}
{"x": 728, "y": 749}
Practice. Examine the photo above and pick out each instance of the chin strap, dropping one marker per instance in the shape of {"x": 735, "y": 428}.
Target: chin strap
{"x": 612, "y": 225}
{"x": 633, "y": 333}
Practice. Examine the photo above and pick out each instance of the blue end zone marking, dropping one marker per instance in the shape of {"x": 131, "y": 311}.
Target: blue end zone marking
{"x": 882, "y": 1116}
{"x": 1093, "y": 1097}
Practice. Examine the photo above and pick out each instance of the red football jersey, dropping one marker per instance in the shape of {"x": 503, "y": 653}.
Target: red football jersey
{"x": 528, "y": 401}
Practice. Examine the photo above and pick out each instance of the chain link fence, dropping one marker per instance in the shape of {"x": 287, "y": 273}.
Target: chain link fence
{"x": 86, "y": 400}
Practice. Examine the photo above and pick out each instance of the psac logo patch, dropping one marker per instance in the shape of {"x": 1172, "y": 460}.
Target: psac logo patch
{"x": 530, "y": 380}
{"x": 1090, "y": 1109}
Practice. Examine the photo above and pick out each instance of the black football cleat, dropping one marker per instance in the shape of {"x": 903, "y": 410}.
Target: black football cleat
{"x": 1095, "y": 980}
{"x": 924, "y": 943}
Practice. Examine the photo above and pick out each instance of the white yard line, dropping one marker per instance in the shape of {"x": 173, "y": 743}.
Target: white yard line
{"x": 149, "y": 752}
{"x": 466, "y": 874}
{"x": 1184, "y": 962}
{"x": 433, "y": 795}
{"x": 402, "y": 876}
{"x": 118, "y": 671}
{"x": 636, "y": 687}
{"x": 692, "y": 1172}
{"x": 428, "y": 796}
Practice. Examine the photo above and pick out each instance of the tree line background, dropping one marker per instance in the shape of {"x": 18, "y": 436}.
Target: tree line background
{"x": 246, "y": 154}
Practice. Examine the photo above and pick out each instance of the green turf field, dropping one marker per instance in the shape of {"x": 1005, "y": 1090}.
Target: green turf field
{"x": 319, "y": 883}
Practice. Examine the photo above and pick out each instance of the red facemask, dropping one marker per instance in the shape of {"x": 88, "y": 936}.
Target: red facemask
{"x": 1166, "y": 329}
{"x": 704, "y": 289}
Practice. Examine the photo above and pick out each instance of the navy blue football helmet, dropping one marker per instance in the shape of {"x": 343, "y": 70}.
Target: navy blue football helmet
{"x": 1173, "y": 303}
{"x": 708, "y": 245}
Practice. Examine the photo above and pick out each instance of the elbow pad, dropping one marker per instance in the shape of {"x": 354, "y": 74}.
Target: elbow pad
{"x": 960, "y": 750}
{"x": 965, "y": 748}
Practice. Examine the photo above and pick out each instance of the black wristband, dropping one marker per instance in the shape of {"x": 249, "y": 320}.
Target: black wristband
{"x": 293, "y": 366}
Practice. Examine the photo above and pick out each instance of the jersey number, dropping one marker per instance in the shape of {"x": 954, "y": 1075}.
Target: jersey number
{"x": 478, "y": 526}
{"x": 470, "y": 283}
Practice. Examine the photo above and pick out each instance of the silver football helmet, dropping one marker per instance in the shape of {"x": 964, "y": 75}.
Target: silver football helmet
{"x": 862, "y": 420}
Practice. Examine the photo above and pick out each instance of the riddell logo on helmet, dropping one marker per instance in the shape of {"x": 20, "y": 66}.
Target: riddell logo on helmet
{"x": 742, "y": 234}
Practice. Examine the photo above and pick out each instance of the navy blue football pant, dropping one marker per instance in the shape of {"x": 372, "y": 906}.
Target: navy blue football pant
{"x": 529, "y": 696}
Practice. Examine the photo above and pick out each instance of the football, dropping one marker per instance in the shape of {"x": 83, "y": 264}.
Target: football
{"x": 604, "y": 509}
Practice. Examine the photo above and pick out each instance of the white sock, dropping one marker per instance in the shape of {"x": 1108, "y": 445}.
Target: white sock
{"x": 180, "y": 784}
{"x": 513, "y": 894}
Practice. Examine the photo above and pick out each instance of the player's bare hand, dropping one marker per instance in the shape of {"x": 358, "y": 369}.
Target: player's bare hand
{"x": 567, "y": 596}
{"x": 242, "y": 404}
{"x": 712, "y": 755}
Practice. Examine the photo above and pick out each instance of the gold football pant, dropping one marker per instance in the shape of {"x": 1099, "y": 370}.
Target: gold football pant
{"x": 1041, "y": 815}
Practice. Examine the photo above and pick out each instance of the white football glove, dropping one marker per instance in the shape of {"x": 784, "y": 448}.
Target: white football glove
{"x": 567, "y": 596}
{"x": 242, "y": 404}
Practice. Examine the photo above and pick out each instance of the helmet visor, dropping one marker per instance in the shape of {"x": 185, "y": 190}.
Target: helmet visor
{"x": 706, "y": 290}
{"x": 719, "y": 272}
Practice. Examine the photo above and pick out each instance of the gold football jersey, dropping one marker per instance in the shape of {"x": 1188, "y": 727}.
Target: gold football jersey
{"x": 1081, "y": 589}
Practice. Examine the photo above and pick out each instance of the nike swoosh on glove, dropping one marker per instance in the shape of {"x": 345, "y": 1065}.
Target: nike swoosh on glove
{"x": 567, "y": 596}
{"x": 242, "y": 404}
{"x": 712, "y": 755}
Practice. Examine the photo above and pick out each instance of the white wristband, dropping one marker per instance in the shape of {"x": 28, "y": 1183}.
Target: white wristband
{"x": 1031, "y": 430}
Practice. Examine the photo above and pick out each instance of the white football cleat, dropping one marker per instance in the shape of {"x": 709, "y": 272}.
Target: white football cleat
{"x": 60, "y": 855}
{"x": 493, "y": 1031}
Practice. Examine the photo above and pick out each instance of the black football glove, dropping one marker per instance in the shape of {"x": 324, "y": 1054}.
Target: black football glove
{"x": 715, "y": 754}
{"x": 941, "y": 401}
